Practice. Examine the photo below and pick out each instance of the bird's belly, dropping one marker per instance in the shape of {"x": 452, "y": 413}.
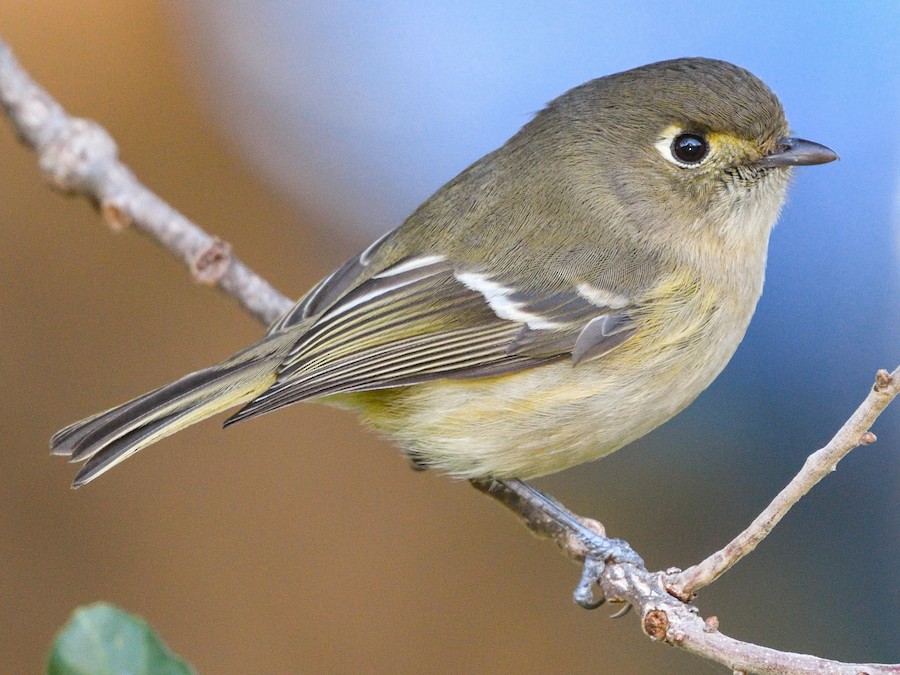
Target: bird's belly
{"x": 547, "y": 419}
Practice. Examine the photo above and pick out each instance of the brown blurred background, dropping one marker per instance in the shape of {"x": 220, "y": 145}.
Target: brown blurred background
{"x": 294, "y": 543}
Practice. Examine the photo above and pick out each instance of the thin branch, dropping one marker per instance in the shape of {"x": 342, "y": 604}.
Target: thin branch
{"x": 79, "y": 156}
{"x": 667, "y": 618}
{"x": 854, "y": 433}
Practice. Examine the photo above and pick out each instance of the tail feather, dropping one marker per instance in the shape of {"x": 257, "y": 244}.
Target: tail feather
{"x": 104, "y": 440}
{"x": 121, "y": 448}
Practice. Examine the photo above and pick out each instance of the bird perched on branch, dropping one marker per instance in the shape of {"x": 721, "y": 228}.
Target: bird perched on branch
{"x": 561, "y": 297}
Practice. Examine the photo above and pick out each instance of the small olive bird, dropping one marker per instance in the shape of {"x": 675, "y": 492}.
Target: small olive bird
{"x": 561, "y": 297}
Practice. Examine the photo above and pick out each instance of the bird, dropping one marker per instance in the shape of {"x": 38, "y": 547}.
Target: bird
{"x": 561, "y": 297}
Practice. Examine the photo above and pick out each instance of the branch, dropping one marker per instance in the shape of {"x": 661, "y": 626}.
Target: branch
{"x": 664, "y": 617}
{"x": 79, "y": 156}
{"x": 854, "y": 433}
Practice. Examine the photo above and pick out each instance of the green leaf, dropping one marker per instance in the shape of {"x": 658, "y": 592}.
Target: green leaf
{"x": 103, "y": 640}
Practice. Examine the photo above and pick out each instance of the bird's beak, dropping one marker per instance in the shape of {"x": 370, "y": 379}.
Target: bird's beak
{"x": 792, "y": 151}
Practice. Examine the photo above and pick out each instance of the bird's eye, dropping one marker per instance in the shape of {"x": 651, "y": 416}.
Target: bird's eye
{"x": 689, "y": 149}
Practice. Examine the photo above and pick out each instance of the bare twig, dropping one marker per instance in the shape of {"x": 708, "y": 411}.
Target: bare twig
{"x": 854, "y": 433}
{"x": 79, "y": 156}
{"x": 665, "y": 617}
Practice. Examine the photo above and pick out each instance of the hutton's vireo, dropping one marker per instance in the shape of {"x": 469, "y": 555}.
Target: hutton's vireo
{"x": 562, "y": 296}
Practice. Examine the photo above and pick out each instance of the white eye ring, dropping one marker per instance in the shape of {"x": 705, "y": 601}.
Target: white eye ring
{"x": 666, "y": 147}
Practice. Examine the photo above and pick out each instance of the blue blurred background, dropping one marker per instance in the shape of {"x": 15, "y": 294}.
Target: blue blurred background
{"x": 346, "y": 116}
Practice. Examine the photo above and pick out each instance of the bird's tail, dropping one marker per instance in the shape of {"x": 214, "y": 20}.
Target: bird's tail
{"x": 104, "y": 440}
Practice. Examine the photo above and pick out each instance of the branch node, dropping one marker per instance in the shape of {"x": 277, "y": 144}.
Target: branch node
{"x": 211, "y": 263}
{"x": 711, "y": 624}
{"x": 868, "y": 438}
{"x": 673, "y": 580}
{"x": 656, "y": 624}
{"x": 77, "y": 158}
{"x": 883, "y": 380}
{"x": 115, "y": 217}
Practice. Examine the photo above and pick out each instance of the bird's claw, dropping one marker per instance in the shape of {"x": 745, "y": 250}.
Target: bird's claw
{"x": 590, "y": 575}
{"x": 616, "y": 551}
{"x": 603, "y": 550}
{"x": 622, "y": 612}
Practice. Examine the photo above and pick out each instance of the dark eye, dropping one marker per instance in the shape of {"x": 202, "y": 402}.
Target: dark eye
{"x": 689, "y": 148}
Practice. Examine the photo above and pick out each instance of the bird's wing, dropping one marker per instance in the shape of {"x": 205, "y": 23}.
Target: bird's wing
{"x": 424, "y": 318}
{"x": 329, "y": 289}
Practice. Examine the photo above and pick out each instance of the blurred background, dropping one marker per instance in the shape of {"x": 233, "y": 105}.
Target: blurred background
{"x": 299, "y": 542}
